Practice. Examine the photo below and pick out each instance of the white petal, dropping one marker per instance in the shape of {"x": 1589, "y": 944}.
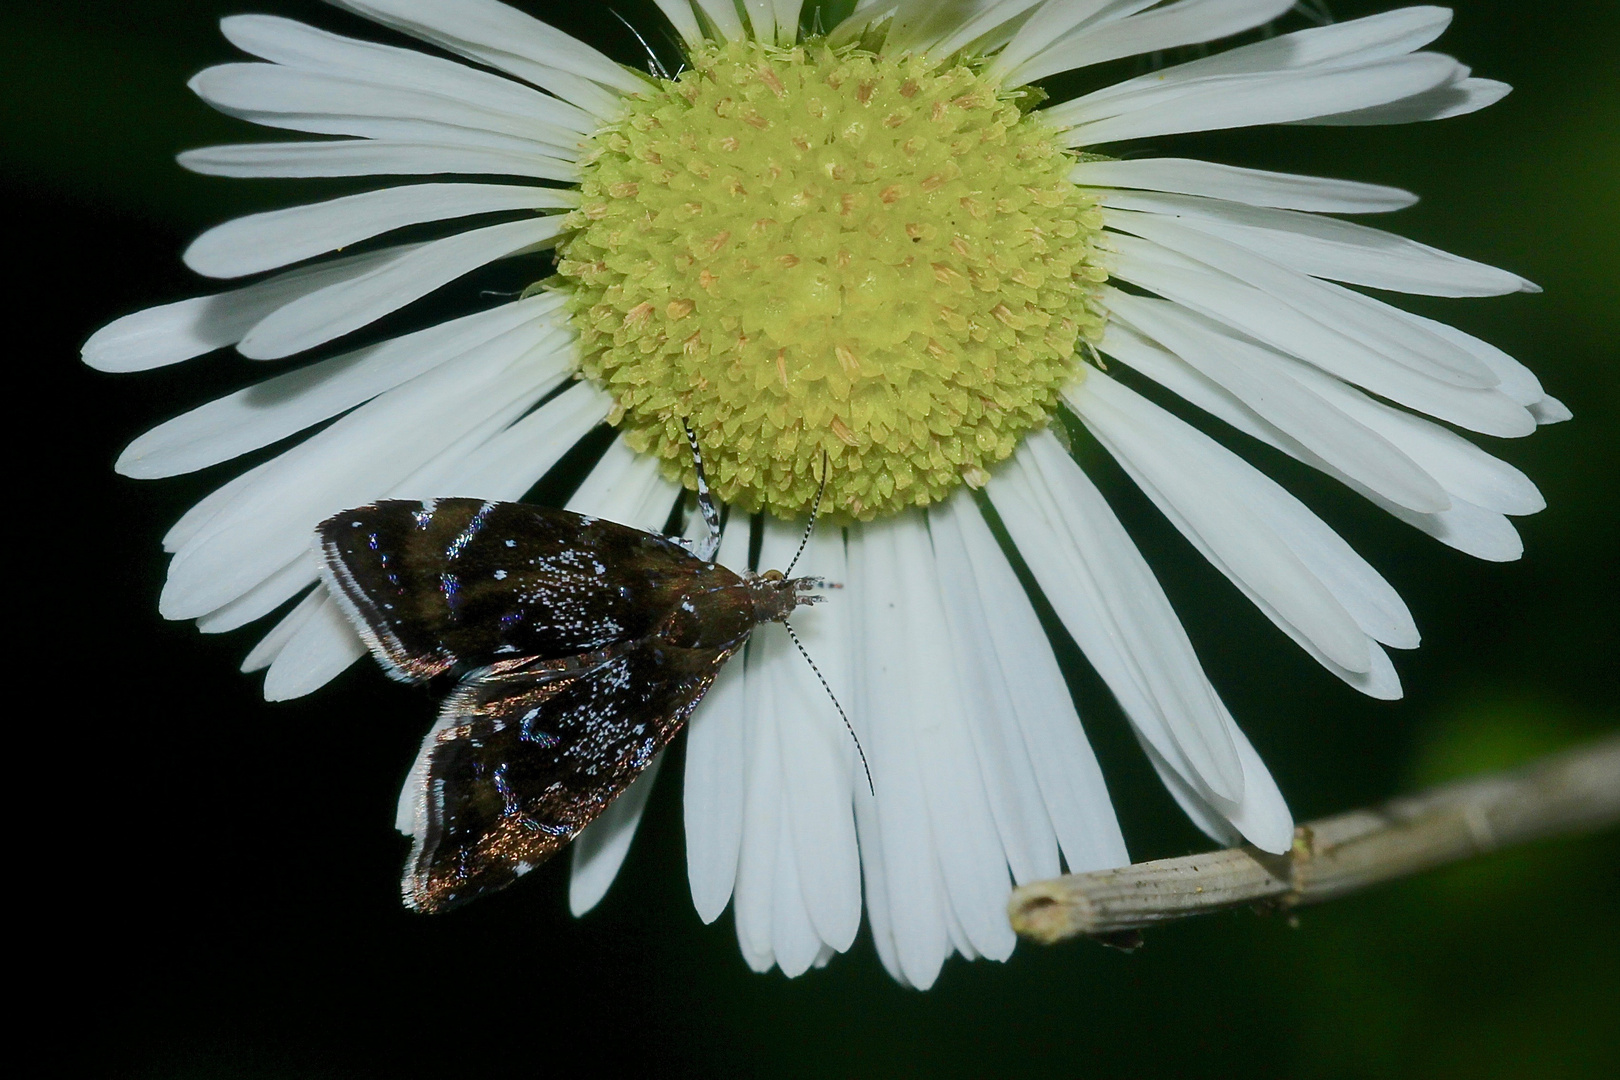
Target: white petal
{"x": 1204, "y": 815}
{"x": 1241, "y": 490}
{"x": 372, "y": 157}
{"x": 179, "y": 331}
{"x": 266, "y": 412}
{"x": 455, "y": 471}
{"x": 788, "y": 13}
{"x": 1164, "y": 367}
{"x": 793, "y": 938}
{"x": 761, "y": 19}
{"x": 480, "y": 464}
{"x": 916, "y": 26}
{"x": 1328, "y": 248}
{"x": 1463, "y": 469}
{"x": 600, "y": 849}
{"x": 295, "y": 45}
{"x": 1187, "y": 176}
{"x": 1358, "y": 42}
{"x": 715, "y": 766}
{"x": 1263, "y": 819}
{"x": 1276, "y": 390}
{"x": 819, "y": 764}
{"x": 900, "y": 829}
{"x": 966, "y": 843}
{"x": 1010, "y": 781}
{"x": 679, "y": 14}
{"x": 992, "y": 25}
{"x": 445, "y": 473}
{"x": 626, "y": 487}
{"x": 722, "y": 15}
{"x": 1376, "y": 607}
{"x": 953, "y": 923}
{"x": 353, "y": 461}
{"x": 1233, "y": 101}
{"x": 423, "y": 484}
{"x": 508, "y": 465}
{"x": 260, "y": 601}
{"x": 258, "y": 242}
{"x": 282, "y": 97}
{"x": 1549, "y": 410}
{"x": 1189, "y": 22}
{"x": 1069, "y": 778}
{"x": 1477, "y": 532}
{"x": 1223, "y": 300}
{"x": 1372, "y": 323}
{"x": 508, "y": 40}
{"x": 874, "y": 879}
{"x": 317, "y": 653}
{"x": 1457, "y": 98}
{"x": 359, "y": 301}
{"x": 1064, "y": 557}
{"x": 1518, "y": 382}
{"x": 269, "y": 647}
{"x": 1059, "y": 20}
{"x": 1202, "y": 488}
{"x": 753, "y": 901}
{"x": 195, "y": 520}
{"x": 1484, "y": 534}
{"x": 1128, "y": 629}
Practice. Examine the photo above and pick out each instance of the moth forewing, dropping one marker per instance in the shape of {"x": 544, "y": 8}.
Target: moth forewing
{"x": 583, "y": 646}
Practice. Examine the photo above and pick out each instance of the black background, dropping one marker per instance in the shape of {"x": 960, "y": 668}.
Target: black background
{"x": 211, "y": 881}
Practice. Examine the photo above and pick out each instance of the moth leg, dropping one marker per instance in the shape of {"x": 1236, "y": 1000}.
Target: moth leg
{"x": 705, "y": 549}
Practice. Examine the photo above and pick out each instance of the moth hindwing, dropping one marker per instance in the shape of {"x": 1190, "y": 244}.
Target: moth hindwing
{"x": 581, "y": 647}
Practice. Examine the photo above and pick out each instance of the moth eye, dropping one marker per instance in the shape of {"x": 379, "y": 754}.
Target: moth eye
{"x": 772, "y": 575}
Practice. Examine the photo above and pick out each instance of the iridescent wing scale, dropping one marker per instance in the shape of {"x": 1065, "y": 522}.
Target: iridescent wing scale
{"x": 525, "y": 756}
{"x": 450, "y": 585}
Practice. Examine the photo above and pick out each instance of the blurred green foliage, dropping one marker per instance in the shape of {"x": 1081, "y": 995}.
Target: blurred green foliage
{"x": 246, "y": 924}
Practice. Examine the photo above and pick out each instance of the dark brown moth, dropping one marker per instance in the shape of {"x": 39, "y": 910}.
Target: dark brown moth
{"x": 581, "y": 646}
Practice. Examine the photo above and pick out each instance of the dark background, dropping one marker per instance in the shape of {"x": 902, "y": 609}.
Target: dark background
{"x": 215, "y": 879}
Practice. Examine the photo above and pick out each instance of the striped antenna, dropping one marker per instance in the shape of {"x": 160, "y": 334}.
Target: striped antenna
{"x": 851, "y": 727}
{"x": 710, "y": 544}
{"x": 815, "y": 509}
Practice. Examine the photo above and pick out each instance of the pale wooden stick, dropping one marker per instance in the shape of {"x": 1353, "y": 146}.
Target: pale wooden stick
{"x": 1571, "y": 792}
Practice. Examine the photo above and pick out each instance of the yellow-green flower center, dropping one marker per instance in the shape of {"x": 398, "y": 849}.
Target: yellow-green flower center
{"x": 807, "y": 251}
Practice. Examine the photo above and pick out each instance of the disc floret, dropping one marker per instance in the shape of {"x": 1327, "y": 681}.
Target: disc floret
{"x": 815, "y": 250}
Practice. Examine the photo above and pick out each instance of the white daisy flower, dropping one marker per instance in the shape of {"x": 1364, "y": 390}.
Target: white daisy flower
{"x": 869, "y": 243}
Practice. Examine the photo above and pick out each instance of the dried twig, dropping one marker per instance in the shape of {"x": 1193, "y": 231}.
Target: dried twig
{"x": 1572, "y": 792}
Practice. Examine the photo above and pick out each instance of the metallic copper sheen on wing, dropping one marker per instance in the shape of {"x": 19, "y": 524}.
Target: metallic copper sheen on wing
{"x": 581, "y": 646}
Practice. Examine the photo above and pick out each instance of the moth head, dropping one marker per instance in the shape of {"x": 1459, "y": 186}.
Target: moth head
{"x": 776, "y": 595}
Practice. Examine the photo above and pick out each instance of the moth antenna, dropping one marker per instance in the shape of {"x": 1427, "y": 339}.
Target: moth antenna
{"x": 711, "y": 516}
{"x": 653, "y": 62}
{"x": 851, "y": 727}
{"x": 815, "y": 508}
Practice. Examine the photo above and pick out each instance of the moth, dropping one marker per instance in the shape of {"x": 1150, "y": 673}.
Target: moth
{"x": 580, "y": 647}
